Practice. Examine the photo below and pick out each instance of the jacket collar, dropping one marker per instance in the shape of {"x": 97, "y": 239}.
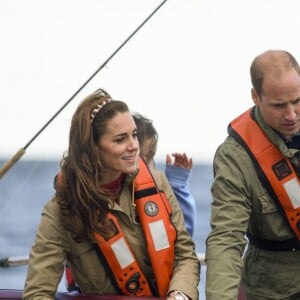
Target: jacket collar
{"x": 273, "y": 135}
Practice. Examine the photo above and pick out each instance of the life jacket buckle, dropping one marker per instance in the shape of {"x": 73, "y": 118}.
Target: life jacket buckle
{"x": 132, "y": 284}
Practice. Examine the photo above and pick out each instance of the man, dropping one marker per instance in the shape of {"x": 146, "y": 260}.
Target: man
{"x": 256, "y": 194}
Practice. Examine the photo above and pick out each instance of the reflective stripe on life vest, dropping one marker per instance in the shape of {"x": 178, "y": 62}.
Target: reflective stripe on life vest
{"x": 122, "y": 263}
{"x": 154, "y": 212}
{"x": 277, "y": 170}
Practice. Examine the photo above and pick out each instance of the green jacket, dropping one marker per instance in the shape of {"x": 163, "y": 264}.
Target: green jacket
{"x": 53, "y": 246}
{"x": 241, "y": 203}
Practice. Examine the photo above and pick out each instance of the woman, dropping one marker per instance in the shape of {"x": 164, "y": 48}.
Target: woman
{"x": 118, "y": 226}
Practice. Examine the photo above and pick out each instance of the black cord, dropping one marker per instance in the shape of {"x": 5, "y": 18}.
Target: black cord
{"x": 95, "y": 73}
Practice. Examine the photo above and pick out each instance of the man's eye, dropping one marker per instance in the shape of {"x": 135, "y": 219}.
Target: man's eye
{"x": 279, "y": 105}
{"x": 296, "y": 101}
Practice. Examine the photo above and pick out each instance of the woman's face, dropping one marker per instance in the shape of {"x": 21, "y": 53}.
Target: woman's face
{"x": 119, "y": 147}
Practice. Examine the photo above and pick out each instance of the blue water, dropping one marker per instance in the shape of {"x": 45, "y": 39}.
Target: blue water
{"x": 28, "y": 185}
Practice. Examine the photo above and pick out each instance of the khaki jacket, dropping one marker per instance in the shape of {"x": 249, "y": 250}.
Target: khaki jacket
{"x": 241, "y": 203}
{"x": 53, "y": 246}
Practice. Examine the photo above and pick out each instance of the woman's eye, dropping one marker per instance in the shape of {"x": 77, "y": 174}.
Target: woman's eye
{"x": 119, "y": 140}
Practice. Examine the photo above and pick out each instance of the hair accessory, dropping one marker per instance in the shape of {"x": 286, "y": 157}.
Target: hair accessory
{"x": 97, "y": 108}
{"x": 101, "y": 93}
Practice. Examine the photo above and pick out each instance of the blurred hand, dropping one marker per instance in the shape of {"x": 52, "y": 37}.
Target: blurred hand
{"x": 180, "y": 160}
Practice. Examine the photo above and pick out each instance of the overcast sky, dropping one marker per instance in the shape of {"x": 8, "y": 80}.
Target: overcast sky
{"x": 187, "y": 68}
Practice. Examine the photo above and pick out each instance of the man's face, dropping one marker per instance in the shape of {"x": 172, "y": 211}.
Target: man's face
{"x": 280, "y": 102}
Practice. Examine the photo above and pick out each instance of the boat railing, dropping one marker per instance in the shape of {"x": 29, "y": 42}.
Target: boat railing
{"x": 15, "y": 261}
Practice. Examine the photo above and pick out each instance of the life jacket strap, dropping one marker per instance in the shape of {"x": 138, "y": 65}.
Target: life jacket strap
{"x": 274, "y": 170}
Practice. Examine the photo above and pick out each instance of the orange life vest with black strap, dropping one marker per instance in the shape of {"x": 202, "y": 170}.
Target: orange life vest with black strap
{"x": 154, "y": 212}
{"x": 272, "y": 167}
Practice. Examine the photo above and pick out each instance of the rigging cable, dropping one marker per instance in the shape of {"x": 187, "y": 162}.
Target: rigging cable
{"x": 19, "y": 154}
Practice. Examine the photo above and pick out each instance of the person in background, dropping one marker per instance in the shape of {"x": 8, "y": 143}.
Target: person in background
{"x": 116, "y": 223}
{"x": 256, "y": 190}
{"x": 178, "y": 172}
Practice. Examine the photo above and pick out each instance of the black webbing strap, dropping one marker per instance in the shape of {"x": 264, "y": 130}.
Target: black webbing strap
{"x": 286, "y": 245}
{"x": 107, "y": 268}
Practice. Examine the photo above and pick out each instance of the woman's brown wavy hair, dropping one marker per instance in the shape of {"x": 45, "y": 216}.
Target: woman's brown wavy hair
{"x": 83, "y": 203}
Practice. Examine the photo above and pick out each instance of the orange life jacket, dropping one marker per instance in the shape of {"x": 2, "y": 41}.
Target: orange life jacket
{"x": 275, "y": 170}
{"x": 154, "y": 211}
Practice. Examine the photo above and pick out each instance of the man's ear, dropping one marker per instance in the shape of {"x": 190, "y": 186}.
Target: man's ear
{"x": 255, "y": 96}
